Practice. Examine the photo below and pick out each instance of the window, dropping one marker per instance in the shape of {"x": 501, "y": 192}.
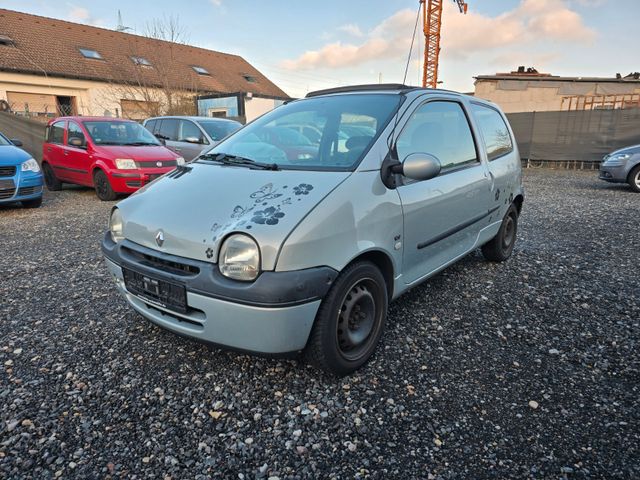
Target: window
{"x": 495, "y": 132}
{"x": 189, "y": 130}
{"x": 118, "y": 132}
{"x": 151, "y": 125}
{"x": 168, "y": 129}
{"x": 200, "y": 70}
{"x": 217, "y": 130}
{"x": 87, "y": 53}
{"x": 250, "y": 78}
{"x": 141, "y": 61}
{"x": 6, "y": 41}
{"x": 56, "y": 133}
{"x": 346, "y": 127}
{"x": 74, "y": 131}
{"x": 441, "y": 129}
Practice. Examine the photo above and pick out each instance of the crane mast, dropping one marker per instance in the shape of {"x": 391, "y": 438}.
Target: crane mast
{"x": 432, "y": 24}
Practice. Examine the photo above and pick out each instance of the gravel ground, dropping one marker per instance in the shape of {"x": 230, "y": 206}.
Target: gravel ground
{"x": 524, "y": 369}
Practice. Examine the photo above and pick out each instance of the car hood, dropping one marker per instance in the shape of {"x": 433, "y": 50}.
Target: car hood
{"x": 197, "y": 207}
{"x": 142, "y": 153}
{"x": 10, "y": 155}
{"x": 631, "y": 150}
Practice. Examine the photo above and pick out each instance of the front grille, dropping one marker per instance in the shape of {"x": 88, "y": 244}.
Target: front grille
{"x": 162, "y": 264}
{"x": 29, "y": 190}
{"x": 7, "y": 171}
{"x": 7, "y": 193}
{"x": 154, "y": 164}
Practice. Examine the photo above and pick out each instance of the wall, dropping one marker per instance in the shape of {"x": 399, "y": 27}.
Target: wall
{"x": 255, "y": 107}
{"x": 29, "y": 132}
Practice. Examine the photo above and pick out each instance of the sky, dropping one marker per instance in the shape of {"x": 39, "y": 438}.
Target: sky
{"x": 304, "y": 45}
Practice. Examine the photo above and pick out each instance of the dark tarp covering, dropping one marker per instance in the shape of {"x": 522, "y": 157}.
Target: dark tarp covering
{"x": 584, "y": 136}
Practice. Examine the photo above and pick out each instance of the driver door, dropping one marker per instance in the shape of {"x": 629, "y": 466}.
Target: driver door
{"x": 443, "y": 215}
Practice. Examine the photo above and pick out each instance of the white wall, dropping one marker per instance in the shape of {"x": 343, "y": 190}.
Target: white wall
{"x": 254, "y": 107}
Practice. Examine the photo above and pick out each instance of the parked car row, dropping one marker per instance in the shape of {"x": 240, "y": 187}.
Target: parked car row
{"x": 20, "y": 175}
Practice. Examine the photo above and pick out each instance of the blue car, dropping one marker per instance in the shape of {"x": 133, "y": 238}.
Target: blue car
{"x": 20, "y": 175}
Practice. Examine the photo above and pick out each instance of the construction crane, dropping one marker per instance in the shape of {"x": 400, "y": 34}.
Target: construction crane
{"x": 432, "y": 15}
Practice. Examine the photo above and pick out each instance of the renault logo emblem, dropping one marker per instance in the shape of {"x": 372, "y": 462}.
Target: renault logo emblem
{"x": 159, "y": 238}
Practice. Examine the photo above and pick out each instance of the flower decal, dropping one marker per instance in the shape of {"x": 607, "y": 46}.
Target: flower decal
{"x": 302, "y": 189}
{"x": 209, "y": 252}
{"x": 268, "y": 216}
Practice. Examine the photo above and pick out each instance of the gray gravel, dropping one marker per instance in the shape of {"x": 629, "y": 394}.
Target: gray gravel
{"x": 525, "y": 369}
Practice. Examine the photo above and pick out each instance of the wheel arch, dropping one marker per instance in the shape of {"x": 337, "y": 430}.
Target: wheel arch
{"x": 518, "y": 201}
{"x": 383, "y": 261}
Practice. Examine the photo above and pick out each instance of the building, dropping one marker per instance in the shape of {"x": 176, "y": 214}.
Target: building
{"x": 527, "y": 90}
{"x": 52, "y": 67}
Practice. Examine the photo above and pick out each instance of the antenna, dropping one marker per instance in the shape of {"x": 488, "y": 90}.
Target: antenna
{"x": 121, "y": 27}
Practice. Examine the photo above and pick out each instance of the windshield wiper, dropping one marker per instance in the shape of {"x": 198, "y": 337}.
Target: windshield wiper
{"x": 227, "y": 159}
{"x": 140, "y": 144}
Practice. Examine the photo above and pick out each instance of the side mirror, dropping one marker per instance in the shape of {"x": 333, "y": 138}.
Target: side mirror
{"x": 163, "y": 139}
{"x": 76, "y": 142}
{"x": 419, "y": 166}
{"x": 17, "y": 142}
{"x": 193, "y": 140}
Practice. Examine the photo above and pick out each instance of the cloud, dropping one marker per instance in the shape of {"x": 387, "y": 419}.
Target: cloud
{"x": 82, "y": 15}
{"x": 529, "y": 23}
{"x": 351, "y": 29}
{"x": 217, "y": 3}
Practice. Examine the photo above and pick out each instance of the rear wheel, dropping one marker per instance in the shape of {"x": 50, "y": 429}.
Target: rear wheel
{"x": 634, "y": 179}
{"x": 33, "y": 203}
{"x": 103, "y": 187}
{"x": 501, "y": 246}
{"x": 350, "y": 320}
{"x": 50, "y": 179}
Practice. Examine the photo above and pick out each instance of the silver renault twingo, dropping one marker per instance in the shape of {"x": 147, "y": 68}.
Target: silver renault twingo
{"x": 278, "y": 242}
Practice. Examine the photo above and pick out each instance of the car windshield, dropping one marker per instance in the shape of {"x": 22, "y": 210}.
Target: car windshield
{"x": 218, "y": 130}
{"x": 104, "y": 132}
{"x": 322, "y": 133}
{"x": 4, "y": 141}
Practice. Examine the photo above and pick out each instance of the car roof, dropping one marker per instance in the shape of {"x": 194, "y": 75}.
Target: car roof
{"x": 194, "y": 118}
{"x": 82, "y": 118}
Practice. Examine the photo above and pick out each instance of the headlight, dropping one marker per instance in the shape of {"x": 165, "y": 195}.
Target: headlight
{"x": 180, "y": 161}
{"x": 125, "y": 164}
{"x": 239, "y": 258}
{"x": 30, "y": 166}
{"x": 115, "y": 226}
{"x": 618, "y": 158}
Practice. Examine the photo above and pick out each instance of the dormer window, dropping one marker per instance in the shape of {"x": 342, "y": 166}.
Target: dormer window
{"x": 6, "y": 41}
{"x": 250, "y": 78}
{"x": 141, "y": 61}
{"x": 200, "y": 70}
{"x": 88, "y": 53}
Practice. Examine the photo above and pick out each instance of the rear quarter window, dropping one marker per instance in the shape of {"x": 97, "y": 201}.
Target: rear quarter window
{"x": 497, "y": 138}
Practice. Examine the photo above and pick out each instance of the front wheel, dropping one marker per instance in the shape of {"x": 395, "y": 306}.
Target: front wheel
{"x": 350, "y": 320}
{"x": 634, "y": 179}
{"x": 500, "y": 247}
{"x": 50, "y": 179}
{"x": 103, "y": 187}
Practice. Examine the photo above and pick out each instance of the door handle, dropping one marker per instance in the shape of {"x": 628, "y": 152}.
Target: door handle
{"x": 65, "y": 152}
{"x": 48, "y": 149}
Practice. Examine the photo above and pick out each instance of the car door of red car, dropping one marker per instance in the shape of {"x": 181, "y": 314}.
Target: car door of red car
{"x": 76, "y": 155}
{"x": 53, "y": 150}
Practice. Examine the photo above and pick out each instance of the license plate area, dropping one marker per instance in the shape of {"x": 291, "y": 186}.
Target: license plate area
{"x": 159, "y": 292}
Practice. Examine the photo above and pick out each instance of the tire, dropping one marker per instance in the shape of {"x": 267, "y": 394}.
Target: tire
{"x": 634, "y": 179}
{"x": 103, "y": 187}
{"x": 359, "y": 292}
{"x": 500, "y": 247}
{"x": 33, "y": 203}
{"x": 50, "y": 179}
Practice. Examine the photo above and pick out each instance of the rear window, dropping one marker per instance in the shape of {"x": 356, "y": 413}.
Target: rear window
{"x": 496, "y": 135}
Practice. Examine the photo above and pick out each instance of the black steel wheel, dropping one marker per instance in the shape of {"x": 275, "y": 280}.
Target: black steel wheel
{"x": 50, "y": 179}
{"x": 634, "y": 179}
{"x": 500, "y": 247}
{"x": 103, "y": 187}
{"x": 350, "y": 320}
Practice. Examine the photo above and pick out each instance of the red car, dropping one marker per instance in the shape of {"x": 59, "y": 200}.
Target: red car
{"x": 112, "y": 155}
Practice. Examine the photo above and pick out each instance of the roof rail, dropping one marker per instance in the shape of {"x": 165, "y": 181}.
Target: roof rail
{"x": 362, "y": 88}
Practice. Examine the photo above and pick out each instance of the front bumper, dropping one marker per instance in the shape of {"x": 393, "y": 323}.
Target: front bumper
{"x": 614, "y": 174}
{"x": 129, "y": 181}
{"x": 273, "y": 315}
{"x": 21, "y": 186}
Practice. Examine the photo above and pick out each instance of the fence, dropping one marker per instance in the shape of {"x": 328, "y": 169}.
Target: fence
{"x": 29, "y": 131}
{"x": 575, "y": 139}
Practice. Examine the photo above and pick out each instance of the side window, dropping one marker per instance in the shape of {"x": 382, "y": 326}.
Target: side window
{"x": 189, "y": 130}
{"x": 74, "y": 131}
{"x": 151, "y": 125}
{"x": 495, "y": 132}
{"x": 168, "y": 129}
{"x": 56, "y": 133}
{"x": 441, "y": 129}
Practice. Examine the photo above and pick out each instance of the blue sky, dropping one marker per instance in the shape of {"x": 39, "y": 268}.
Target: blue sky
{"x": 303, "y": 45}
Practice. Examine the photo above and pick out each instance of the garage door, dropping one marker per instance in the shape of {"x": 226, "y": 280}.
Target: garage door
{"x": 33, "y": 103}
